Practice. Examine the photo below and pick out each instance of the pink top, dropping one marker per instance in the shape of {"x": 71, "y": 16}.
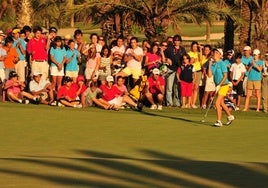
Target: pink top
{"x": 122, "y": 88}
{"x": 91, "y": 63}
{"x": 13, "y": 89}
{"x": 152, "y": 58}
{"x": 37, "y": 47}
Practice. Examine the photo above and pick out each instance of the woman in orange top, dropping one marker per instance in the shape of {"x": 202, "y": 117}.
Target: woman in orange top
{"x": 11, "y": 58}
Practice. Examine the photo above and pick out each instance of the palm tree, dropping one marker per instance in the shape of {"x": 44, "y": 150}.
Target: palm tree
{"x": 24, "y": 13}
{"x": 260, "y": 38}
{"x": 153, "y": 16}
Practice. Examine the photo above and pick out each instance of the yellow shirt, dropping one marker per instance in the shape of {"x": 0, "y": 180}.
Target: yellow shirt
{"x": 196, "y": 64}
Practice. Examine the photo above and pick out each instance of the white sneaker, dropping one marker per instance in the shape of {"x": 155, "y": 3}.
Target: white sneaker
{"x": 237, "y": 108}
{"x": 78, "y": 106}
{"x": 153, "y": 107}
{"x": 230, "y": 119}
{"x": 160, "y": 107}
{"x": 204, "y": 107}
{"x": 218, "y": 123}
{"x": 194, "y": 106}
{"x": 60, "y": 105}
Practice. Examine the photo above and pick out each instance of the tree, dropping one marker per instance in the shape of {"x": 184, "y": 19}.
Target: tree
{"x": 260, "y": 37}
{"x": 24, "y": 13}
{"x": 152, "y": 16}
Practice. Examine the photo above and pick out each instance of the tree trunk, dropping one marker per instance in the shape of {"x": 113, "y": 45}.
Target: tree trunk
{"x": 229, "y": 29}
{"x": 229, "y": 34}
{"x": 208, "y": 31}
{"x": 117, "y": 22}
{"x": 245, "y": 29}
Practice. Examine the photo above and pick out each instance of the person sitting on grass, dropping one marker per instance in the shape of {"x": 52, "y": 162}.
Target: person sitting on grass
{"x": 230, "y": 98}
{"x": 155, "y": 89}
{"x": 68, "y": 94}
{"x": 114, "y": 96}
{"x": 42, "y": 88}
{"x": 15, "y": 90}
{"x": 91, "y": 97}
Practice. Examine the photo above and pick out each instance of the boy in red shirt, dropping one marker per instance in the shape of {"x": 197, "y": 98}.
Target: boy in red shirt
{"x": 155, "y": 90}
{"x": 68, "y": 94}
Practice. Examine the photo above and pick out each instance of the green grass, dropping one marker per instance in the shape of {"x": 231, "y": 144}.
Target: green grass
{"x": 42, "y": 146}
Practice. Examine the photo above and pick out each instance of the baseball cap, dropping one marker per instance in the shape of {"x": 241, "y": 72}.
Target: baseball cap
{"x": 156, "y": 71}
{"x": 230, "y": 52}
{"x": 37, "y": 73}
{"x": 219, "y": 50}
{"x": 53, "y": 29}
{"x": 13, "y": 74}
{"x": 80, "y": 78}
{"x": 14, "y": 31}
{"x": 230, "y": 84}
{"x": 256, "y": 52}
{"x": 266, "y": 54}
{"x": 246, "y": 48}
{"x": 110, "y": 79}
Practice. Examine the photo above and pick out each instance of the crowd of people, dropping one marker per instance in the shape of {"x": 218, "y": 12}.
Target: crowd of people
{"x": 42, "y": 67}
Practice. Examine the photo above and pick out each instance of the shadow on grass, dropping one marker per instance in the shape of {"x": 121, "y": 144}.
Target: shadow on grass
{"x": 156, "y": 169}
{"x": 194, "y": 122}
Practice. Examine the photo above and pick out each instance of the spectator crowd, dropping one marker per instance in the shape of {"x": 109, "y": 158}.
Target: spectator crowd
{"x": 44, "y": 68}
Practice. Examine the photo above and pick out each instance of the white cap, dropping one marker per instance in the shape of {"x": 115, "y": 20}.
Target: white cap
{"x": 110, "y": 79}
{"x": 246, "y": 48}
{"x": 37, "y": 73}
{"x": 256, "y": 52}
{"x": 156, "y": 71}
{"x": 219, "y": 50}
{"x": 230, "y": 84}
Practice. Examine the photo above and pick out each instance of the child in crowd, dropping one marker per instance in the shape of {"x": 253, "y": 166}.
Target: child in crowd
{"x": 3, "y": 55}
{"x": 73, "y": 59}
{"x": 254, "y": 80}
{"x": 93, "y": 63}
{"x": 15, "y": 90}
{"x": 230, "y": 98}
{"x": 237, "y": 74}
{"x": 68, "y": 95}
{"x": 41, "y": 87}
{"x": 186, "y": 76}
{"x": 113, "y": 95}
{"x": 105, "y": 63}
{"x": 92, "y": 95}
{"x": 57, "y": 57}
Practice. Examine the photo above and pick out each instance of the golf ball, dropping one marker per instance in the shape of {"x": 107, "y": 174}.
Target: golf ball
{"x": 202, "y": 121}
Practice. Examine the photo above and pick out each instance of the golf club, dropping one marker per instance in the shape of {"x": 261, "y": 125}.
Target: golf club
{"x": 209, "y": 106}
